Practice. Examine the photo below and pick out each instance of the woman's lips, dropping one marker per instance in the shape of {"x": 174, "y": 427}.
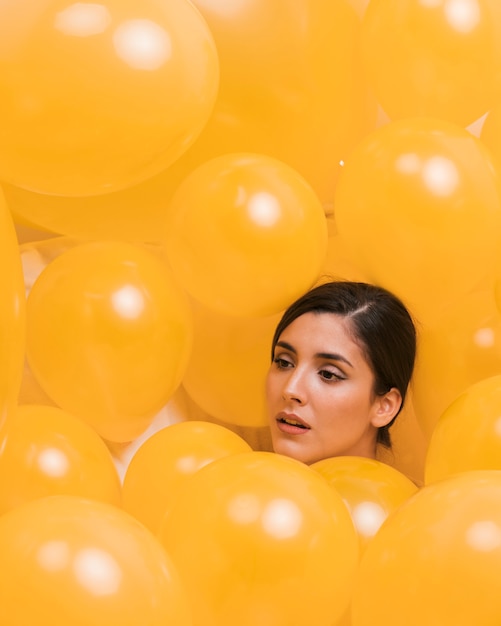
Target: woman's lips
{"x": 292, "y": 424}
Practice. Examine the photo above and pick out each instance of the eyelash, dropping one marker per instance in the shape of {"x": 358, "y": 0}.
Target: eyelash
{"x": 326, "y": 375}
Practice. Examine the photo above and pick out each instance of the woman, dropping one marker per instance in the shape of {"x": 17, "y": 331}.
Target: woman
{"x": 342, "y": 358}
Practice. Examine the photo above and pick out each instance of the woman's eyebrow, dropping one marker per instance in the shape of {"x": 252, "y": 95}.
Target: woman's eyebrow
{"x": 330, "y": 356}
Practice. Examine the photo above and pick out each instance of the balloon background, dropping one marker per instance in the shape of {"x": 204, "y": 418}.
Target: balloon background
{"x": 172, "y": 175}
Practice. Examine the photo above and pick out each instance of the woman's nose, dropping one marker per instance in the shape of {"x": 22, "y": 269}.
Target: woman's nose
{"x": 295, "y": 388}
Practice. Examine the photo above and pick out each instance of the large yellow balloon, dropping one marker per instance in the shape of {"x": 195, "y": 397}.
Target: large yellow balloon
{"x": 468, "y": 434}
{"x": 262, "y": 539}
{"x": 245, "y": 234}
{"x": 158, "y": 471}
{"x": 438, "y": 58}
{"x": 370, "y": 489}
{"x": 12, "y": 314}
{"x": 230, "y": 356}
{"x": 109, "y": 335}
{"x": 69, "y": 561}
{"x": 418, "y": 202}
{"x": 46, "y": 451}
{"x": 437, "y": 559}
{"x": 460, "y": 348}
{"x": 99, "y": 96}
{"x": 290, "y": 87}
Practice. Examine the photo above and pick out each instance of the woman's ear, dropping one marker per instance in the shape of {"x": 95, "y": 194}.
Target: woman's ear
{"x": 386, "y": 407}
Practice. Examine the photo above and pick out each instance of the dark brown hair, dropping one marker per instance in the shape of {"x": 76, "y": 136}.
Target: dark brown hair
{"x": 381, "y": 325}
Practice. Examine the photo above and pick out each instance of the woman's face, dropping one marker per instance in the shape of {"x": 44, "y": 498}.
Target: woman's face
{"x": 320, "y": 392}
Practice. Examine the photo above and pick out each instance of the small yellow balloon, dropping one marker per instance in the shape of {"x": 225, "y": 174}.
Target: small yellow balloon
{"x": 418, "y": 203}
{"x": 158, "y": 471}
{"x": 370, "y": 489}
{"x": 256, "y": 534}
{"x": 437, "y": 558}
{"x": 72, "y": 561}
{"x": 109, "y": 335}
{"x": 46, "y": 451}
{"x": 439, "y": 59}
{"x": 468, "y": 434}
{"x": 245, "y": 235}
{"x": 97, "y": 97}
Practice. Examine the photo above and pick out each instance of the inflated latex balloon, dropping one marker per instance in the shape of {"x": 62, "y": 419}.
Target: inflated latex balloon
{"x": 440, "y": 556}
{"x": 71, "y": 561}
{"x": 12, "y": 314}
{"x": 437, "y": 58}
{"x": 245, "y": 235}
{"x": 290, "y": 87}
{"x": 459, "y": 349}
{"x": 260, "y": 538}
{"x": 109, "y": 335}
{"x": 230, "y": 356}
{"x": 46, "y": 451}
{"x": 468, "y": 434}
{"x": 426, "y": 222}
{"x": 99, "y": 96}
{"x": 490, "y": 132}
{"x": 370, "y": 489}
{"x": 158, "y": 471}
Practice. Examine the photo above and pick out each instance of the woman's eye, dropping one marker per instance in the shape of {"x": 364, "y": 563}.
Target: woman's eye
{"x": 281, "y": 363}
{"x": 328, "y": 375}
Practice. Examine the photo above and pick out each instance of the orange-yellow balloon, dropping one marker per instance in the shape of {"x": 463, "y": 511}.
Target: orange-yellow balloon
{"x": 72, "y": 561}
{"x": 230, "y": 356}
{"x": 245, "y": 234}
{"x": 436, "y": 559}
{"x": 99, "y": 96}
{"x": 468, "y": 434}
{"x": 290, "y": 87}
{"x": 260, "y": 538}
{"x": 158, "y": 471}
{"x": 12, "y": 314}
{"x": 370, "y": 489}
{"x": 109, "y": 335}
{"x": 460, "y": 348}
{"x": 46, "y": 451}
{"x": 438, "y": 58}
{"x": 418, "y": 203}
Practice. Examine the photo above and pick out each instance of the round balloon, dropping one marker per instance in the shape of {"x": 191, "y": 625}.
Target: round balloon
{"x": 71, "y": 561}
{"x": 98, "y": 97}
{"x": 158, "y": 471}
{"x": 430, "y": 208}
{"x": 468, "y": 434}
{"x": 109, "y": 335}
{"x": 230, "y": 355}
{"x": 47, "y": 451}
{"x": 255, "y": 534}
{"x": 437, "y": 558}
{"x": 245, "y": 234}
{"x": 370, "y": 489}
{"x": 434, "y": 58}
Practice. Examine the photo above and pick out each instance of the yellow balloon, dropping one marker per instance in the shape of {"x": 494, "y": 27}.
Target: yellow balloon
{"x": 439, "y": 59}
{"x": 12, "y": 314}
{"x": 70, "y": 561}
{"x": 460, "y": 348}
{"x": 230, "y": 355}
{"x": 158, "y": 471}
{"x": 468, "y": 434}
{"x": 245, "y": 235}
{"x": 98, "y": 97}
{"x": 370, "y": 489}
{"x": 436, "y": 559}
{"x": 290, "y": 87}
{"x": 427, "y": 194}
{"x": 109, "y": 335}
{"x": 256, "y": 534}
{"x": 46, "y": 451}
